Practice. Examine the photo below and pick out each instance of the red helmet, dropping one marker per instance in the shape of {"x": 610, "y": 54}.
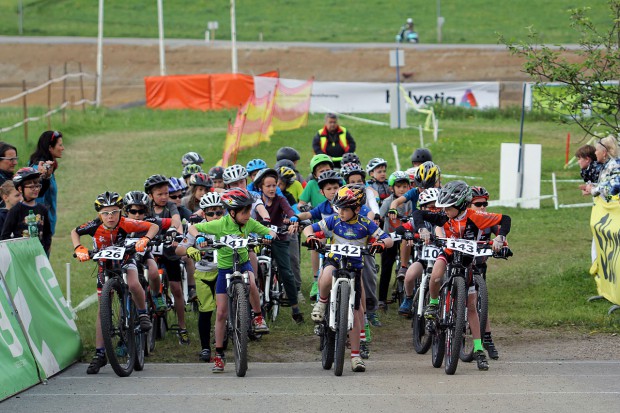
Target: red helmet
{"x": 236, "y": 198}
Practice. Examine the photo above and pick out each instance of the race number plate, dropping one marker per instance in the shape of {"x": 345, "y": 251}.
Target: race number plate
{"x": 234, "y": 242}
{"x": 485, "y": 252}
{"x": 463, "y": 245}
{"x": 395, "y": 237}
{"x": 430, "y": 253}
{"x": 157, "y": 249}
{"x": 345, "y": 249}
{"x": 110, "y": 253}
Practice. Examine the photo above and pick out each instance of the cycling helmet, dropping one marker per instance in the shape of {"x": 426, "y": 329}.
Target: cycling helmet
{"x": 421, "y": 155}
{"x": 287, "y": 175}
{"x": 411, "y": 172}
{"x": 285, "y": 162}
{"x": 351, "y": 168}
{"x": 216, "y": 172}
{"x": 479, "y": 192}
{"x": 236, "y": 198}
{"x": 262, "y": 174}
{"x": 327, "y": 177}
{"x": 108, "y": 199}
{"x": 350, "y": 196}
{"x": 154, "y": 180}
{"x": 255, "y": 165}
{"x": 286, "y": 152}
{"x": 350, "y": 157}
{"x": 135, "y": 198}
{"x": 428, "y": 195}
{"x": 319, "y": 159}
{"x": 210, "y": 199}
{"x": 427, "y": 175}
{"x": 176, "y": 184}
{"x": 192, "y": 158}
{"x": 398, "y": 176}
{"x": 234, "y": 173}
{"x": 201, "y": 179}
{"x": 456, "y": 194}
{"x": 374, "y": 163}
{"x": 191, "y": 169}
{"x": 25, "y": 174}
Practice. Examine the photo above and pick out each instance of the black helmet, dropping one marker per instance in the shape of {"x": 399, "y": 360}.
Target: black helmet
{"x": 350, "y": 157}
{"x": 421, "y": 155}
{"x": 327, "y": 177}
{"x": 262, "y": 174}
{"x": 135, "y": 198}
{"x": 456, "y": 194}
{"x": 217, "y": 172}
{"x": 108, "y": 199}
{"x": 25, "y": 174}
{"x": 236, "y": 198}
{"x": 479, "y": 192}
{"x": 154, "y": 180}
{"x": 285, "y": 162}
{"x": 286, "y": 152}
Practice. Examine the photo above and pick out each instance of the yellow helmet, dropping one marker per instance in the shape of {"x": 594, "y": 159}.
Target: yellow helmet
{"x": 427, "y": 175}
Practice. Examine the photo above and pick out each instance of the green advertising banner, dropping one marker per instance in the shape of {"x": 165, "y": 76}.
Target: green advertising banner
{"x": 18, "y": 370}
{"x": 45, "y": 317}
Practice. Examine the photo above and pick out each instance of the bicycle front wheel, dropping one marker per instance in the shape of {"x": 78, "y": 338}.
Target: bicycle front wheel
{"x": 421, "y": 337}
{"x": 118, "y": 319}
{"x": 455, "y": 321}
{"x": 239, "y": 313}
{"x": 342, "y": 326}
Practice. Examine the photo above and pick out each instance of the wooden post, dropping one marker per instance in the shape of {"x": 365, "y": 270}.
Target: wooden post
{"x": 25, "y": 112}
{"x": 49, "y": 97}
{"x": 82, "y": 87}
{"x": 64, "y": 96}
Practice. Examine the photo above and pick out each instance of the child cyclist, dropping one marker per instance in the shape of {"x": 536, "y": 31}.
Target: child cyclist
{"x": 254, "y": 167}
{"x": 238, "y": 202}
{"x": 106, "y": 230}
{"x": 459, "y": 221}
{"x": 206, "y": 272}
{"x": 216, "y": 173}
{"x": 376, "y": 170}
{"x": 349, "y": 226}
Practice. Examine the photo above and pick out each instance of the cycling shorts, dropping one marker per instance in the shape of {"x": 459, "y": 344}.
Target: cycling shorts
{"x": 358, "y": 280}
{"x": 172, "y": 268}
{"x": 220, "y": 287}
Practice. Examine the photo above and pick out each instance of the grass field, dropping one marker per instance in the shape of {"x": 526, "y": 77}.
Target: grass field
{"x": 546, "y": 284}
{"x": 474, "y": 21}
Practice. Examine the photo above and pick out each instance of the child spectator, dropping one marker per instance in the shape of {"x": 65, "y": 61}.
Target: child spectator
{"x": 9, "y": 197}
{"x": 590, "y": 167}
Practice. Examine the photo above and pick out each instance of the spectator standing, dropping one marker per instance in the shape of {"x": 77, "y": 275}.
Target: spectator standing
{"x": 8, "y": 162}
{"x": 608, "y": 184}
{"x": 333, "y": 140}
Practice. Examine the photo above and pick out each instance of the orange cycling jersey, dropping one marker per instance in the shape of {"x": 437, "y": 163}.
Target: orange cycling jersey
{"x": 104, "y": 237}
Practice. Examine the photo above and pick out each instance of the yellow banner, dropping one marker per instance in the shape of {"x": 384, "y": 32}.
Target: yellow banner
{"x": 605, "y": 224}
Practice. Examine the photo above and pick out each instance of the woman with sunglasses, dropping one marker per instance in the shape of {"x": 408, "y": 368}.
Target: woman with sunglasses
{"x": 45, "y": 159}
{"x": 8, "y": 163}
{"x": 17, "y": 224}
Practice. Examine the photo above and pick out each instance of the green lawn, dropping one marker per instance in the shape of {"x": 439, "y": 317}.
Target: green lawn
{"x": 474, "y": 21}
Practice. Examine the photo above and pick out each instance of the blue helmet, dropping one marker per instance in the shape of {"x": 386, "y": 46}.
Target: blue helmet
{"x": 255, "y": 165}
{"x": 176, "y": 184}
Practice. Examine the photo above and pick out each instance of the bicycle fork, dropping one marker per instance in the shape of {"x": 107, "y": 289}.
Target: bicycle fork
{"x": 333, "y": 297}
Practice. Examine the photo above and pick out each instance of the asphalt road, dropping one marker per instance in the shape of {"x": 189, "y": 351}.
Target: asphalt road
{"x": 394, "y": 383}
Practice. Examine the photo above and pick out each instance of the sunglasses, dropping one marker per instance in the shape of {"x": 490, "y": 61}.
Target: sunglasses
{"x": 34, "y": 186}
{"x": 110, "y": 213}
{"x": 15, "y": 159}
{"x": 136, "y": 211}
{"x": 213, "y": 213}
{"x": 481, "y": 204}
{"x": 175, "y": 196}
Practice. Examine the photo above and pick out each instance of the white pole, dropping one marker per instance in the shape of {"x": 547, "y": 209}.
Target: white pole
{"x": 555, "y": 191}
{"x": 99, "y": 54}
{"x": 162, "y": 56}
{"x": 395, "y": 152}
{"x": 421, "y": 136}
{"x": 69, "y": 285}
{"x": 233, "y": 36}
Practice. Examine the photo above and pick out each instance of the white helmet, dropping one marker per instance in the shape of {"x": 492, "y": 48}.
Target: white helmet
{"x": 428, "y": 195}
{"x": 210, "y": 199}
{"x": 409, "y": 20}
{"x": 192, "y": 157}
{"x": 234, "y": 173}
{"x": 374, "y": 163}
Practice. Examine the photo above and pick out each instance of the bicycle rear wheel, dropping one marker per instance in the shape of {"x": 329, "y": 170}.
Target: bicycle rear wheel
{"x": 342, "y": 326}
{"x": 421, "y": 337}
{"x": 482, "y": 307}
{"x": 239, "y": 313}
{"x": 118, "y": 319}
{"x": 455, "y": 320}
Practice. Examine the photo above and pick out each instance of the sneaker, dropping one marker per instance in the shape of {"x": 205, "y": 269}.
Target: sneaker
{"x": 160, "y": 303}
{"x": 431, "y": 312}
{"x": 373, "y": 319}
{"x": 300, "y": 298}
{"x": 298, "y": 317}
{"x": 402, "y": 272}
{"x": 191, "y": 295}
{"x": 205, "y": 355}
{"x": 183, "y": 337}
{"x": 489, "y": 346}
{"x": 364, "y": 350}
{"x": 259, "y": 325}
{"x": 383, "y": 306}
{"x": 96, "y": 363}
{"x": 357, "y": 364}
{"x": 481, "y": 360}
{"x": 145, "y": 322}
{"x": 219, "y": 362}
{"x": 318, "y": 312}
{"x": 405, "y": 307}
{"x": 314, "y": 291}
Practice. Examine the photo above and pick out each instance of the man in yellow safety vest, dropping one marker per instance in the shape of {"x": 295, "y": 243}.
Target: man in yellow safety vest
{"x": 333, "y": 140}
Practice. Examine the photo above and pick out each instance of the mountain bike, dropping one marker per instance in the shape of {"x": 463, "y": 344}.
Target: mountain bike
{"x": 422, "y": 337}
{"x": 270, "y": 286}
{"x": 338, "y": 320}
{"x": 398, "y": 288}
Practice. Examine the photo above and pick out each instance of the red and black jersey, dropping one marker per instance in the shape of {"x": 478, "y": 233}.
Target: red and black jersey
{"x": 104, "y": 237}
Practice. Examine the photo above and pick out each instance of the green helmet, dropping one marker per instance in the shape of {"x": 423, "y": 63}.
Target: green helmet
{"x": 319, "y": 159}
{"x": 398, "y": 176}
